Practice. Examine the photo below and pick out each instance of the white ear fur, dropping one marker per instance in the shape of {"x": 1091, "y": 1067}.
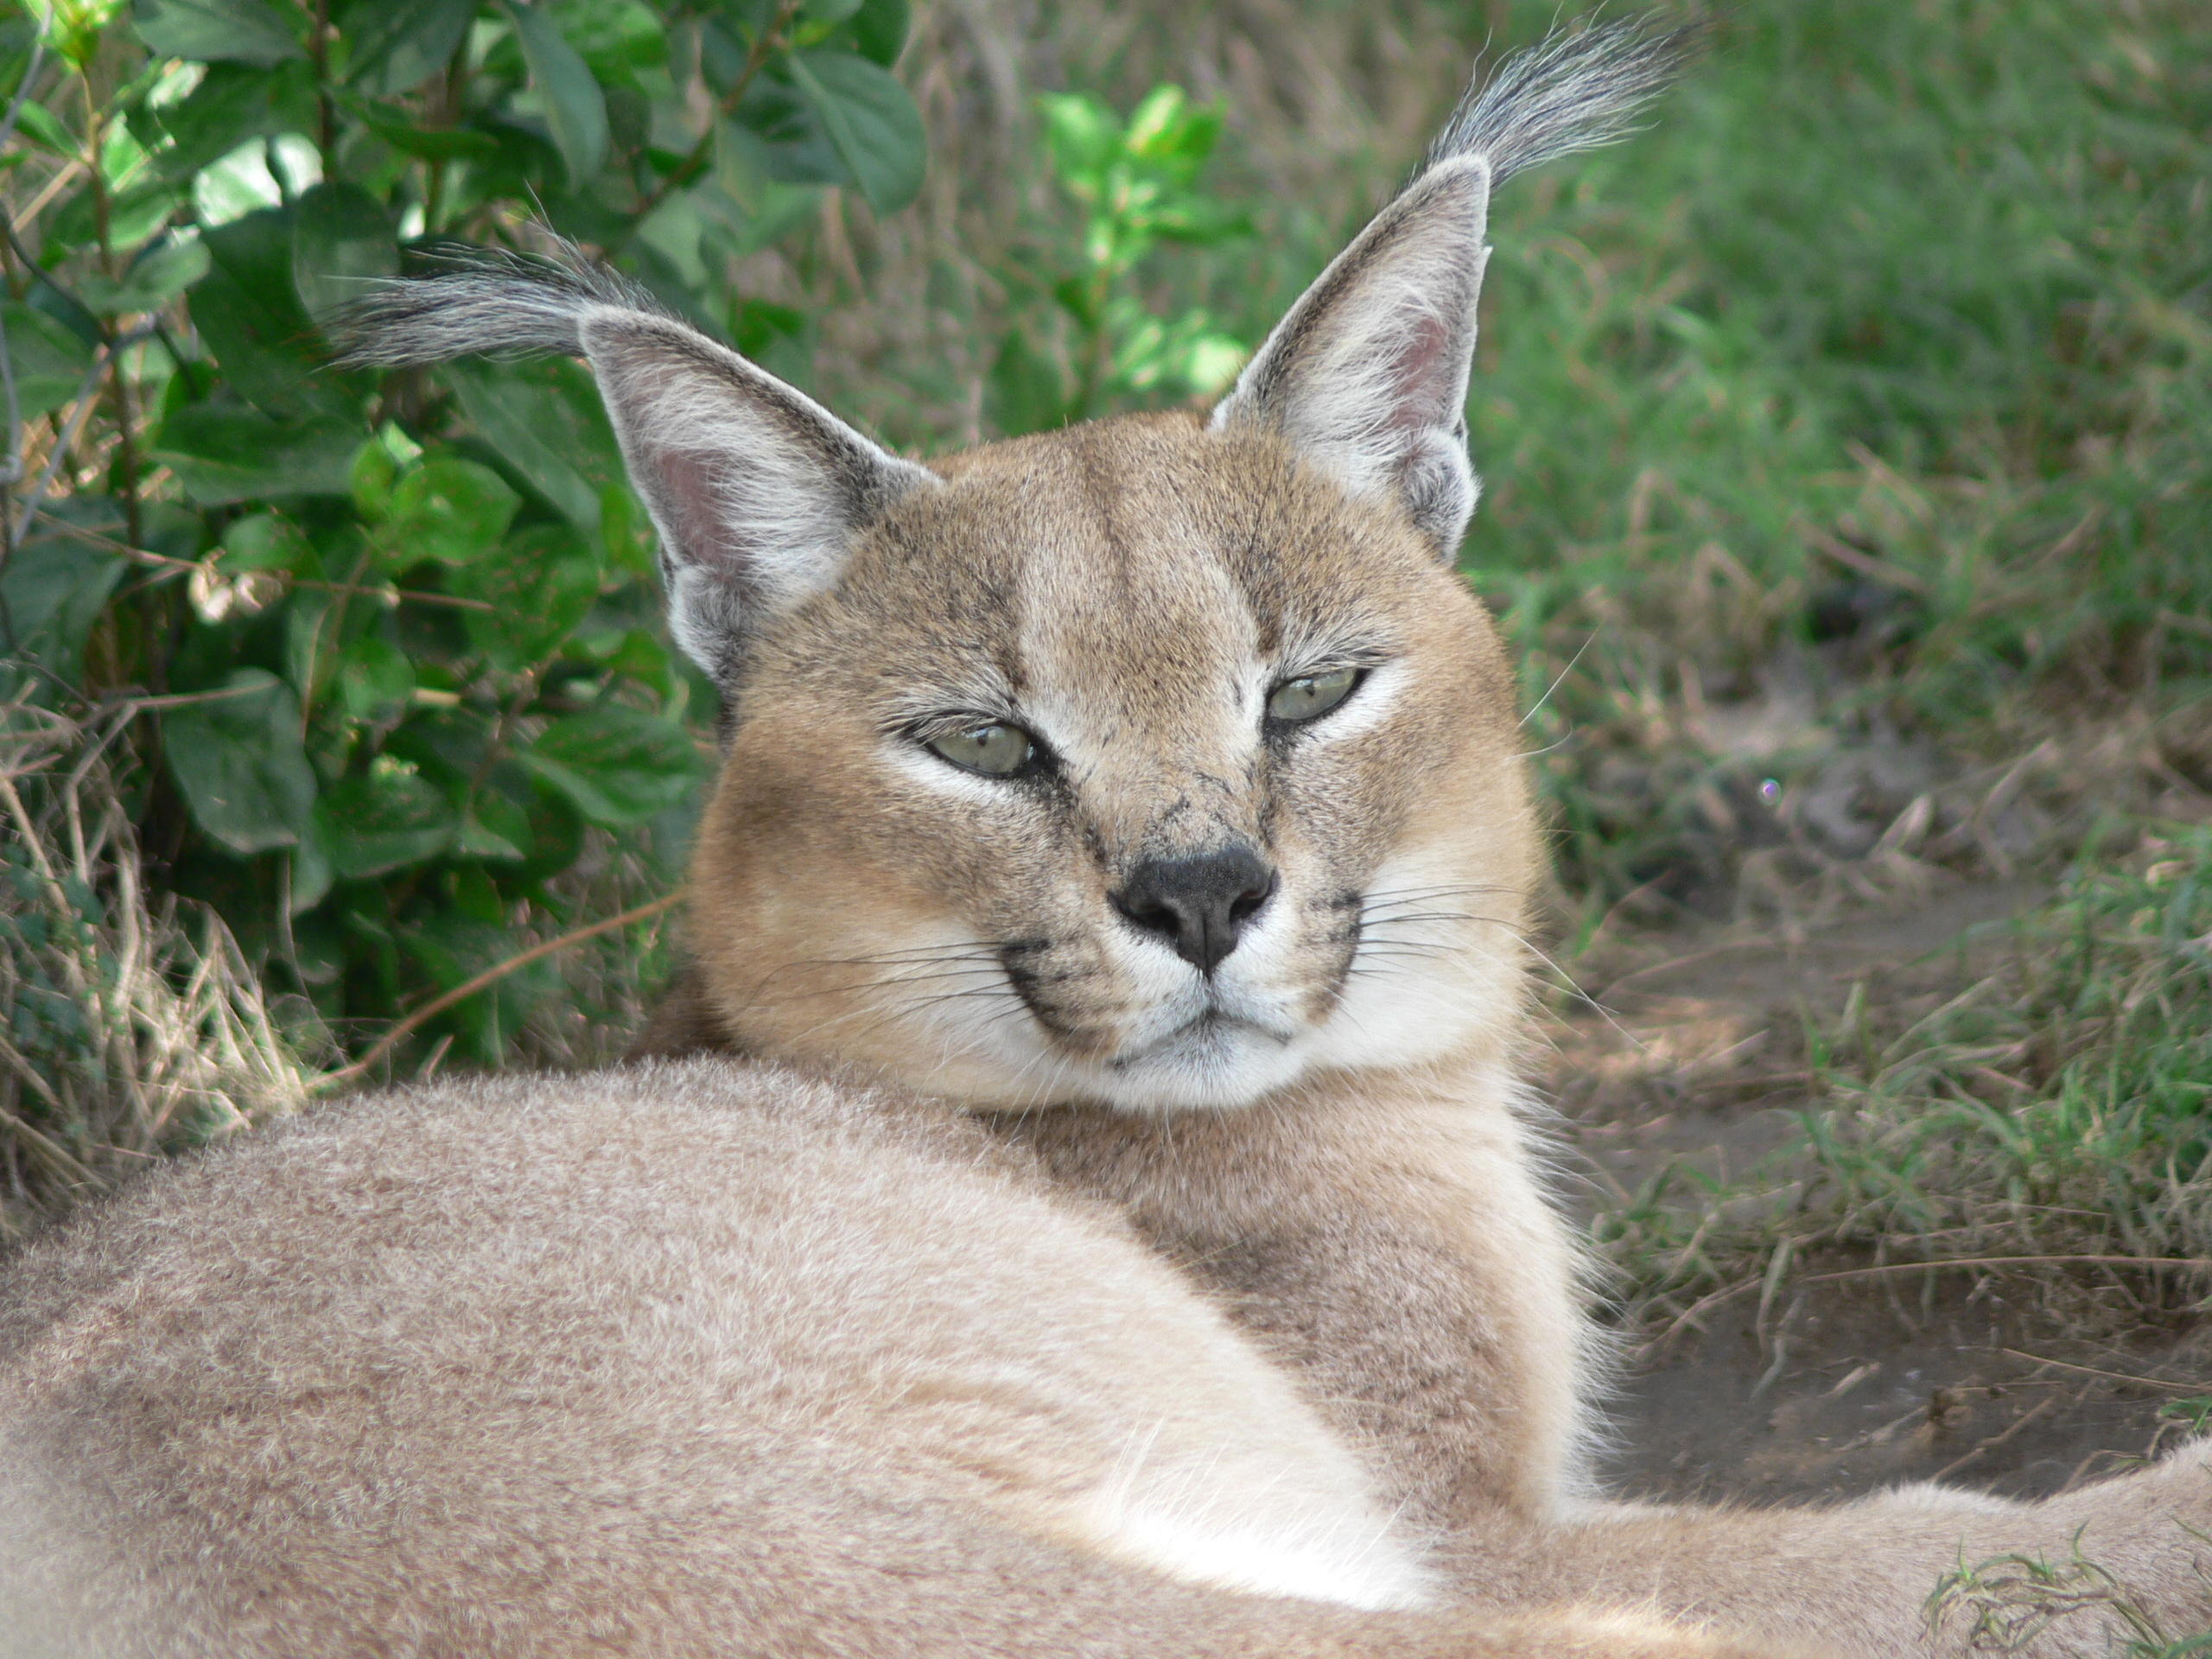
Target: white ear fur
{"x": 1367, "y": 375}
{"x": 756, "y": 489}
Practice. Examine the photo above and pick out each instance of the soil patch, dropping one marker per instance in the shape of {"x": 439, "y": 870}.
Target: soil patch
{"x": 1697, "y": 1062}
{"x": 1857, "y": 1387}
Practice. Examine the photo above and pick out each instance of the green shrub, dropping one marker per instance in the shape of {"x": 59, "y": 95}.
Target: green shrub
{"x": 395, "y": 642}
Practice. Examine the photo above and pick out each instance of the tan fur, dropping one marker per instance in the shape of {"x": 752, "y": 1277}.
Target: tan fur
{"x": 1023, "y": 1277}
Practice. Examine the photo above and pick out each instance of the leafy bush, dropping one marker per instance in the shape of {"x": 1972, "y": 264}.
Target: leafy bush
{"x": 1097, "y": 345}
{"x": 395, "y": 643}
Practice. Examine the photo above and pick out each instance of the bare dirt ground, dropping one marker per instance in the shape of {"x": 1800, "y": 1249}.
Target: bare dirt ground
{"x": 1837, "y": 1388}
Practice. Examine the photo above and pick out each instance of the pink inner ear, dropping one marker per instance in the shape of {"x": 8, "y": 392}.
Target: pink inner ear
{"x": 691, "y": 497}
{"x": 1424, "y": 370}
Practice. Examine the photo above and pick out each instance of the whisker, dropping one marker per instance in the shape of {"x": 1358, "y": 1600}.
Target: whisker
{"x": 1558, "y": 680}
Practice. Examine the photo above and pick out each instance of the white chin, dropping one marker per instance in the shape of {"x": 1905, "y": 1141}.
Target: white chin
{"x": 1215, "y": 1067}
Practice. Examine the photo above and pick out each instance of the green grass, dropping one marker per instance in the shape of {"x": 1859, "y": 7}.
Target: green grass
{"x": 2054, "y": 1106}
{"x": 2064, "y": 1102}
{"x": 1925, "y": 282}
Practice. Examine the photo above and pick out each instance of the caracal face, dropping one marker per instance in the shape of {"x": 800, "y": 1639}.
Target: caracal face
{"x": 1261, "y": 813}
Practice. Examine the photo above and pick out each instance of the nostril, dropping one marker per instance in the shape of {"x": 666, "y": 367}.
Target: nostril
{"x": 1147, "y": 913}
{"x": 1247, "y": 903}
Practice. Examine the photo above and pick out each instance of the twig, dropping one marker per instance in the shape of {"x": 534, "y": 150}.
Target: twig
{"x": 432, "y": 1009}
{"x": 2116, "y": 1376}
{"x": 169, "y": 562}
{"x": 756, "y": 59}
{"x": 137, "y": 706}
{"x": 2018, "y": 1424}
{"x": 84, "y": 400}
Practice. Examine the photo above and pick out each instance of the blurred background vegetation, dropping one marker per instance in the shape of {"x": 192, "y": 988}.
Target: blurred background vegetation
{"x": 1847, "y": 502}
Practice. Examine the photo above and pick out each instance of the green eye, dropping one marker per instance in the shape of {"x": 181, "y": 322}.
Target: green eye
{"x": 1311, "y": 695}
{"x": 993, "y": 748}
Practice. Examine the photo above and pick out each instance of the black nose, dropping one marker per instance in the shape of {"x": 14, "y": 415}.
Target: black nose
{"x": 1199, "y": 904}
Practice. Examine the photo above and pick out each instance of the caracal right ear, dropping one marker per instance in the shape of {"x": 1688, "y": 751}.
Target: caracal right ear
{"x": 1367, "y": 375}
{"x": 756, "y": 489}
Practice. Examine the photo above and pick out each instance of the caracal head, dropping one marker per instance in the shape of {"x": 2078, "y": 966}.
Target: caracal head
{"x": 1157, "y": 763}
{"x": 1138, "y": 763}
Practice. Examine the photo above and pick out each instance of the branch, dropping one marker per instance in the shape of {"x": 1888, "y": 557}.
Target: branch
{"x": 432, "y": 1009}
{"x": 756, "y": 59}
{"x": 109, "y": 353}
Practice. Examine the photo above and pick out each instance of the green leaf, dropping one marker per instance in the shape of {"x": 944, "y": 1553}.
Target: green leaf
{"x": 150, "y": 284}
{"x": 880, "y": 30}
{"x": 539, "y": 587}
{"x": 54, "y": 589}
{"x": 547, "y": 422}
{"x": 242, "y": 31}
{"x": 446, "y": 509}
{"x": 370, "y": 481}
{"x": 392, "y": 817}
{"x": 575, "y": 109}
{"x": 231, "y": 105}
{"x": 453, "y": 949}
{"x": 373, "y": 677}
{"x": 397, "y": 45}
{"x": 495, "y": 828}
{"x": 614, "y": 37}
{"x": 635, "y": 652}
{"x": 1167, "y": 129}
{"x": 341, "y": 243}
{"x": 220, "y": 453}
{"x": 133, "y": 214}
{"x": 779, "y": 338}
{"x": 237, "y": 761}
{"x": 266, "y": 541}
{"x": 615, "y": 765}
{"x": 871, "y": 121}
{"x": 41, "y": 126}
{"x": 829, "y": 11}
{"x": 249, "y": 315}
{"x": 409, "y": 137}
{"x": 1025, "y": 392}
{"x": 1082, "y": 137}
{"x": 48, "y": 361}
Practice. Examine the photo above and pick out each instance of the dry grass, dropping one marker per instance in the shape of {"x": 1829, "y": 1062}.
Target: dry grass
{"x": 135, "y": 1026}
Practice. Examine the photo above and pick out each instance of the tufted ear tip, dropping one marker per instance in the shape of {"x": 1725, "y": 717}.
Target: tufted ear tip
{"x": 1367, "y": 375}
{"x": 758, "y": 491}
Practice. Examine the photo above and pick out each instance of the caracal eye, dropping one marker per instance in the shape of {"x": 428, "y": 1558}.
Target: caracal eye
{"x": 991, "y": 748}
{"x": 1311, "y": 695}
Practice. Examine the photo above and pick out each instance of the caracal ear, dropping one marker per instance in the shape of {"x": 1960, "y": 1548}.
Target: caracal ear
{"x": 757, "y": 490}
{"x": 1367, "y": 376}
